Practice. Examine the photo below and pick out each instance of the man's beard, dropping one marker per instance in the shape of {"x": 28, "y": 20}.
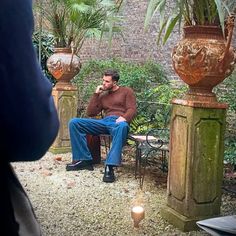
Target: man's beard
{"x": 109, "y": 88}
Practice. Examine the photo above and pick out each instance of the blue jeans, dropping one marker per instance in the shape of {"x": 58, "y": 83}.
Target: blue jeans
{"x": 79, "y": 127}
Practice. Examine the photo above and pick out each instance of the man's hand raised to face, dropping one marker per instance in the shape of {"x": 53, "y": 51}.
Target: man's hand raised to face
{"x": 99, "y": 89}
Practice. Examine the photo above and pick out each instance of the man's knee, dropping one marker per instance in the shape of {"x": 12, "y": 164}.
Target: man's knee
{"x": 123, "y": 126}
{"x": 74, "y": 122}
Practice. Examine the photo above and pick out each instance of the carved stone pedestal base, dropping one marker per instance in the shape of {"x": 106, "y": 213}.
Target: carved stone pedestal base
{"x": 196, "y": 163}
{"x": 178, "y": 220}
{"x": 66, "y": 99}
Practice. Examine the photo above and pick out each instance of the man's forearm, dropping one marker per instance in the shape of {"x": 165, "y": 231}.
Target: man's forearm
{"x": 94, "y": 106}
{"x": 130, "y": 114}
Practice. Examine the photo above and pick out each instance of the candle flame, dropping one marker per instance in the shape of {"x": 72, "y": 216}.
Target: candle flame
{"x": 137, "y": 209}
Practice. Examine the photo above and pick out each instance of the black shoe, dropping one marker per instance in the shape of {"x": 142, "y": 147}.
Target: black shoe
{"x": 80, "y": 165}
{"x": 109, "y": 175}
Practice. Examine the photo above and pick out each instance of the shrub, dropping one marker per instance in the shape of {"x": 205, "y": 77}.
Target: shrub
{"x": 149, "y": 82}
{"x": 226, "y": 92}
{"x": 46, "y": 51}
{"x": 142, "y": 78}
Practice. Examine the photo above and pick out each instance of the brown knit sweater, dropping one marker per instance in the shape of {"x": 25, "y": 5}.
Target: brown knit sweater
{"x": 121, "y": 102}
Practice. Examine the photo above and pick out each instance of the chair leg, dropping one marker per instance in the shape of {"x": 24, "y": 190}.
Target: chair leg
{"x": 137, "y": 162}
{"x": 145, "y": 162}
{"x": 139, "y": 167}
{"x": 106, "y": 143}
{"x": 163, "y": 160}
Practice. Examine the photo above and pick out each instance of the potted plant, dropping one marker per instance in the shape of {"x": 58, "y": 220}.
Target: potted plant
{"x": 203, "y": 58}
{"x": 71, "y": 22}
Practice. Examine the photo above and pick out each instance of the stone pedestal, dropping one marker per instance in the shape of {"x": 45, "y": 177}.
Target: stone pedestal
{"x": 196, "y": 163}
{"x": 66, "y": 99}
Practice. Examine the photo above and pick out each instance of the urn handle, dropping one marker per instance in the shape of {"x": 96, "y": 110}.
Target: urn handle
{"x": 228, "y": 51}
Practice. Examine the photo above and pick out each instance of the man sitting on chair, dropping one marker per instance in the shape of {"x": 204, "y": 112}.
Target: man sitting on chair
{"x": 119, "y": 106}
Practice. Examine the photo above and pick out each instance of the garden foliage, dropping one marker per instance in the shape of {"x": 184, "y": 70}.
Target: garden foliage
{"x": 47, "y": 50}
{"x": 153, "y": 89}
{"x": 226, "y": 92}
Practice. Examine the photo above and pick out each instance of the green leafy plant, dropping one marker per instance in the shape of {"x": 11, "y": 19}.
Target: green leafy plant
{"x": 155, "y": 113}
{"x": 152, "y": 88}
{"x": 230, "y": 150}
{"x": 46, "y": 40}
{"x": 142, "y": 78}
{"x": 226, "y": 92}
{"x": 188, "y": 12}
{"x": 71, "y": 21}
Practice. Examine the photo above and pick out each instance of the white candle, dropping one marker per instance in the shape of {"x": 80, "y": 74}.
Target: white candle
{"x": 137, "y": 214}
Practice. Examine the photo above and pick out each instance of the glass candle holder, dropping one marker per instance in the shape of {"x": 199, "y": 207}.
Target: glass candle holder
{"x": 137, "y": 214}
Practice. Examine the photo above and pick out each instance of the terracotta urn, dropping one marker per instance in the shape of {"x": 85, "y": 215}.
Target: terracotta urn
{"x": 63, "y": 65}
{"x": 203, "y": 59}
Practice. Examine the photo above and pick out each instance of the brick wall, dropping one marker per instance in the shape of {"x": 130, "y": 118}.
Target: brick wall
{"x": 136, "y": 44}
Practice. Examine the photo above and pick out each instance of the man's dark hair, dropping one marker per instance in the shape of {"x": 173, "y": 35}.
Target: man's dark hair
{"x": 113, "y": 73}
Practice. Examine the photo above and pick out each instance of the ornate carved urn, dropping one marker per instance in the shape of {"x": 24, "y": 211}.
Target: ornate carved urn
{"x": 63, "y": 65}
{"x": 203, "y": 59}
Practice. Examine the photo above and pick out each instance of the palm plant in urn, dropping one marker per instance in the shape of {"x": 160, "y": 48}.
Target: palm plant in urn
{"x": 71, "y": 22}
{"x": 204, "y": 57}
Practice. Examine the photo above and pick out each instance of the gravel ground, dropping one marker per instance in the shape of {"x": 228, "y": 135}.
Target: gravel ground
{"x": 79, "y": 203}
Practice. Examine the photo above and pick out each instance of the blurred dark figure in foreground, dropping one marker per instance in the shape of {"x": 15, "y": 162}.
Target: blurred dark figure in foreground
{"x": 29, "y": 121}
